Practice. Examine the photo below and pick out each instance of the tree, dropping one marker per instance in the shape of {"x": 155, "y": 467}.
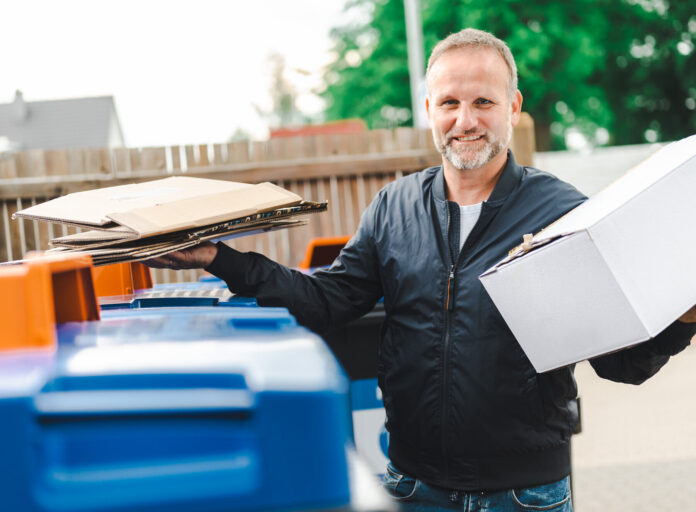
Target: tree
{"x": 370, "y": 76}
{"x": 283, "y": 95}
{"x": 614, "y": 71}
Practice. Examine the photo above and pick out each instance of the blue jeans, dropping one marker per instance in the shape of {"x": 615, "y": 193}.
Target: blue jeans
{"x": 415, "y": 495}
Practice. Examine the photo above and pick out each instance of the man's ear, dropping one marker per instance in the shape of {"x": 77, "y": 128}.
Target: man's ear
{"x": 516, "y": 108}
{"x": 427, "y": 108}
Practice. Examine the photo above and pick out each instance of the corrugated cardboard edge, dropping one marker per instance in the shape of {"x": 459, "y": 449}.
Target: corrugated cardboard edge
{"x": 107, "y": 225}
{"x": 153, "y": 252}
{"x": 205, "y": 210}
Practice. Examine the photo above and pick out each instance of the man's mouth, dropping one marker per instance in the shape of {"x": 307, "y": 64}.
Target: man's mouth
{"x": 467, "y": 138}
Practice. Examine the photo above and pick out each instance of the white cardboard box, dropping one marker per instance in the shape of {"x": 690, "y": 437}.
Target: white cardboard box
{"x": 613, "y": 272}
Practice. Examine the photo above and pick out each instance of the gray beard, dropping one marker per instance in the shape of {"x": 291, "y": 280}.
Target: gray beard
{"x": 480, "y": 158}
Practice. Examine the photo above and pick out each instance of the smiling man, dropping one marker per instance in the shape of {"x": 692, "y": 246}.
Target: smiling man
{"x": 472, "y": 425}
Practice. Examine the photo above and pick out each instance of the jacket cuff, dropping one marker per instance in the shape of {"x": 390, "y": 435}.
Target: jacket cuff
{"x": 229, "y": 265}
{"x": 674, "y": 339}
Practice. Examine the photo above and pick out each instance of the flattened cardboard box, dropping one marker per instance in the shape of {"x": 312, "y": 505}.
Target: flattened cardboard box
{"x": 613, "y": 272}
{"x": 140, "y": 221}
{"x": 177, "y": 203}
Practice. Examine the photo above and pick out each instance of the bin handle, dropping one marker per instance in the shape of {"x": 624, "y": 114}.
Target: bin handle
{"x": 142, "y": 401}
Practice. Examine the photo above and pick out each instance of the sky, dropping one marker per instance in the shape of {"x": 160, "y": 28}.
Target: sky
{"x": 180, "y": 72}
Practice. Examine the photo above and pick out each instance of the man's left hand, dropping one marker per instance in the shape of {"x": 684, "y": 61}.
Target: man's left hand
{"x": 689, "y": 317}
{"x": 199, "y": 256}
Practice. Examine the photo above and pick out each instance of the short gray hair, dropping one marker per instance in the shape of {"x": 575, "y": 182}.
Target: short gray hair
{"x": 473, "y": 38}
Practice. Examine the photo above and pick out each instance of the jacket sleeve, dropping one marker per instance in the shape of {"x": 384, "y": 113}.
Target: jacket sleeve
{"x": 636, "y": 364}
{"x": 324, "y": 300}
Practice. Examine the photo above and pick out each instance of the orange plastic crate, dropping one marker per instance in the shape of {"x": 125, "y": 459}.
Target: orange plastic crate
{"x": 322, "y": 251}
{"x": 43, "y": 291}
{"x": 121, "y": 279}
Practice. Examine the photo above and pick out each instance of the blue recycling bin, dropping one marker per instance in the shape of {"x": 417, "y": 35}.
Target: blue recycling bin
{"x": 206, "y": 409}
{"x": 191, "y": 294}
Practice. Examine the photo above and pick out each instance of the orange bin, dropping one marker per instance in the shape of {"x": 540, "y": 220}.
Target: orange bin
{"x": 121, "y": 279}
{"x": 43, "y": 291}
{"x": 322, "y": 251}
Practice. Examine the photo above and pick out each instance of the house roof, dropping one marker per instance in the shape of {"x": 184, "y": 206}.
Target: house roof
{"x": 56, "y": 124}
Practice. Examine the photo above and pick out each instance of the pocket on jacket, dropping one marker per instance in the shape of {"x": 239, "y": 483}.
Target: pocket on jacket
{"x": 554, "y": 497}
{"x": 399, "y": 486}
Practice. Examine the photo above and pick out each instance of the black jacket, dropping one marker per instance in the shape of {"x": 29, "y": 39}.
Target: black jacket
{"x": 465, "y": 408}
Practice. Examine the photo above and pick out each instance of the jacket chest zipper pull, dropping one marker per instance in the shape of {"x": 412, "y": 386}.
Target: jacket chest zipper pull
{"x": 450, "y": 290}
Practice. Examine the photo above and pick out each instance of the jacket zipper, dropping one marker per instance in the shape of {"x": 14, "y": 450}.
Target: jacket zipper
{"x": 445, "y": 356}
{"x": 449, "y": 306}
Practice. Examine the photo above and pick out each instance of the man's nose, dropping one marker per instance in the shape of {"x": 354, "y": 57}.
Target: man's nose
{"x": 466, "y": 119}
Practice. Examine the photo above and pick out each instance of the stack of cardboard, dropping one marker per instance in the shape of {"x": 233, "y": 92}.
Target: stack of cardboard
{"x": 145, "y": 220}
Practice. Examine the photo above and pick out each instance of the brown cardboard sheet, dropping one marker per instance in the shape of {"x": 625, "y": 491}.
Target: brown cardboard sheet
{"x": 140, "y": 221}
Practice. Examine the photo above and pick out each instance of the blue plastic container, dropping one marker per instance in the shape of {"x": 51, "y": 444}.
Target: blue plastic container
{"x": 189, "y": 410}
{"x": 178, "y": 323}
{"x": 178, "y": 295}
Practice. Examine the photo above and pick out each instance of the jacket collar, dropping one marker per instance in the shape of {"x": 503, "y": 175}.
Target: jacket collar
{"x": 509, "y": 179}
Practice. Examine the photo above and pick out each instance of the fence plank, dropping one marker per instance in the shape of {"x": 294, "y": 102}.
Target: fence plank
{"x": 76, "y": 161}
{"x": 349, "y": 201}
{"x": 523, "y": 143}
{"x": 322, "y": 146}
{"x": 8, "y": 168}
{"x": 238, "y": 152}
{"x": 218, "y": 157}
{"x": 28, "y": 229}
{"x": 191, "y": 162}
{"x": 136, "y": 159}
{"x": 15, "y": 235}
{"x": 153, "y": 159}
{"x": 21, "y": 164}
{"x": 203, "y": 160}
{"x": 6, "y": 253}
{"x": 98, "y": 161}
{"x": 41, "y": 229}
{"x": 36, "y": 163}
{"x": 121, "y": 159}
{"x": 175, "y": 156}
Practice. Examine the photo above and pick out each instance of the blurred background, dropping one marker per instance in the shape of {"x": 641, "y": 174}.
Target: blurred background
{"x": 592, "y": 72}
{"x": 319, "y": 97}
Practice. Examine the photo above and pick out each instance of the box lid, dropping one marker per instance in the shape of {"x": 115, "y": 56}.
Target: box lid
{"x": 665, "y": 161}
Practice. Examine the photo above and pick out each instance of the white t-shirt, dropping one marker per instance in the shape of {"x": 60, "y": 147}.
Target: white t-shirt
{"x": 468, "y": 215}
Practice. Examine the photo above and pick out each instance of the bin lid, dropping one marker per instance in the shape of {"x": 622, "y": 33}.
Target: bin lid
{"x": 266, "y": 347}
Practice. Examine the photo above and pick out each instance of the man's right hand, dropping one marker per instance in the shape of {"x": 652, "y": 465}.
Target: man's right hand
{"x": 199, "y": 256}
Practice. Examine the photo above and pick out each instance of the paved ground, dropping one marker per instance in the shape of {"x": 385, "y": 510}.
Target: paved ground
{"x": 637, "y": 451}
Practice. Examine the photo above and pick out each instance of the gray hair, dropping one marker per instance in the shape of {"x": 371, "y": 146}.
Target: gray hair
{"x": 473, "y": 38}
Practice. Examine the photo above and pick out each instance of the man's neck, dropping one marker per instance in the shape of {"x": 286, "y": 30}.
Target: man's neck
{"x": 466, "y": 187}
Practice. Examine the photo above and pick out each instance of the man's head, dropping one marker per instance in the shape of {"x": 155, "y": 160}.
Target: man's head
{"x": 473, "y": 38}
{"x": 473, "y": 101}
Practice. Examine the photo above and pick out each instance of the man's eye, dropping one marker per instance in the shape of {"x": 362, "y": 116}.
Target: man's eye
{"x": 450, "y": 102}
{"x": 484, "y": 101}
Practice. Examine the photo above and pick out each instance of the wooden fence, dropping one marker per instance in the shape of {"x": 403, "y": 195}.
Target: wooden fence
{"x": 346, "y": 170}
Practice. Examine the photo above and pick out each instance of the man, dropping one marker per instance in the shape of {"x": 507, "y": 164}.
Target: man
{"x": 472, "y": 425}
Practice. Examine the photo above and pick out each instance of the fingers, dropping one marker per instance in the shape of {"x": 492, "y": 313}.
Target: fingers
{"x": 689, "y": 317}
{"x": 159, "y": 262}
{"x": 195, "y": 257}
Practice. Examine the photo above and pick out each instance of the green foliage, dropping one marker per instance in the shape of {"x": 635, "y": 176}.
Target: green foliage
{"x": 626, "y": 67}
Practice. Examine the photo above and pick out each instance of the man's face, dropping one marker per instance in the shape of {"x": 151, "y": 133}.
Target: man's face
{"x": 468, "y": 106}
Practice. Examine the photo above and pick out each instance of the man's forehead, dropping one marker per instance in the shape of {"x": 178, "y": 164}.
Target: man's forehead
{"x": 452, "y": 59}
{"x": 461, "y": 66}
